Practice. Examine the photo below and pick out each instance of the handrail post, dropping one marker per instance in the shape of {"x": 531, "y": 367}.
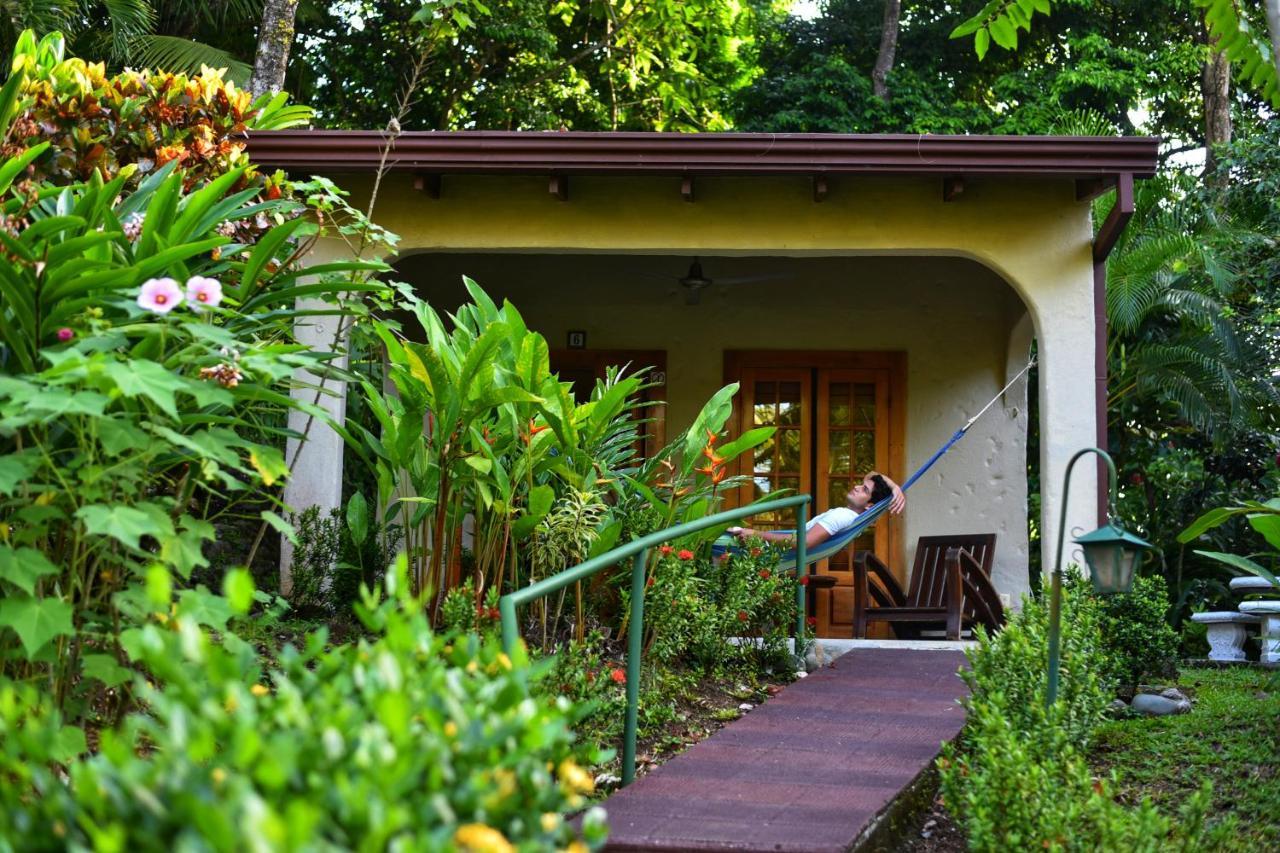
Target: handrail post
{"x": 635, "y": 636}
{"x": 507, "y": 610}
{"x": 802, "y": 521}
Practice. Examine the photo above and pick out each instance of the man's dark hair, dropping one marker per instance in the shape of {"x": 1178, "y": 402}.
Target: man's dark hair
{"x": 879, "y": 490}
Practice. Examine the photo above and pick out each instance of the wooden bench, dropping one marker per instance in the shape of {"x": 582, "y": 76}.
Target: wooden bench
{"x": 950, "y": 586}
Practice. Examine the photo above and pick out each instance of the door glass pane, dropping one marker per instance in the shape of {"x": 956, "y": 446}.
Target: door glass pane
{"x": 839, "y": 396}
{"x": 788, "y": 450}
{"x": 865, "y": 405}
{"x": 789, "y": 403}
{"x": 792, "y": 483}
{"x": 836, "y": 492}
{"x": 765, "y": 407}
{"x": 864, "y": 452}
{"x": 764, "y": 456}
{"x": 838, "y": 455}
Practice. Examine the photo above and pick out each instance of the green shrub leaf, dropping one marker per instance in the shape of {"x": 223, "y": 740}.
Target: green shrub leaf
{"x": 36, "y": 621}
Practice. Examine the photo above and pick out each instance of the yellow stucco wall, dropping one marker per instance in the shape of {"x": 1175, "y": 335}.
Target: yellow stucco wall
{"x": 873, "y": 253}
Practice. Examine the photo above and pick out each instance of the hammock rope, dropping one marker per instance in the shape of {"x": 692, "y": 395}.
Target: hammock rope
{"x": 865, "y": 519}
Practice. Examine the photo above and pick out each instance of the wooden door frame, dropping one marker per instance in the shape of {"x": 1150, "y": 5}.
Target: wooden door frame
{"x": 894, "y": 362}
{"x": 597, "y": 359}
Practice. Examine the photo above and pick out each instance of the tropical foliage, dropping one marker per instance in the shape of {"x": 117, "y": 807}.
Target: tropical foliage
{"x": 146, "y": 372}
{"x": 583, "y": 64}
{"x": 405, "y": 739}
{"x": 1233, "y": 28}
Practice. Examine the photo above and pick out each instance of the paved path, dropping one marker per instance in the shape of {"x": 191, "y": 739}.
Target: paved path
{"x": 808, "y": 770}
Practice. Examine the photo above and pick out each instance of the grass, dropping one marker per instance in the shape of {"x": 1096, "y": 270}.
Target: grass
{"x": 1231, "y": 737}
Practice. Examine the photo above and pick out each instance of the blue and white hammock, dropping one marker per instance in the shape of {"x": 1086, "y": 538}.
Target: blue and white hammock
{"x": 837, "y": 543}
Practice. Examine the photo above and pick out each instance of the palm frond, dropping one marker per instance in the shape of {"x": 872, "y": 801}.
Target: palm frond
{"x": 130, "y": 19}
{"x": 42, "y": 16}
{"x": 178, "y": 54}
{"x": 1083, "y": 122}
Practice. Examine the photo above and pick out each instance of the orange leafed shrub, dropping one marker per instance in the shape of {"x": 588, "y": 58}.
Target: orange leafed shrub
{"x": 96, "y": 122}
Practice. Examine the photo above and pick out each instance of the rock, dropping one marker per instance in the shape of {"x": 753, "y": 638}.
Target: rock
{"x": 607, "y": 780}
{"x": 1158, "y": 706}
{"x": 930, "y": 823}
{"x": 1175, "y": 694}
{"x": 1262, "y": 694}
{"x": 815, "y": 658}
{"x": 1119, "y": 706}
{"x": 802, "y": 675}
{"x": 746, "y": 706}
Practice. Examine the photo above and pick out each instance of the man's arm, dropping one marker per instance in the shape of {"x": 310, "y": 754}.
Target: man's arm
{"x": 814, "y": 537}
{"x": 898, "y": 501}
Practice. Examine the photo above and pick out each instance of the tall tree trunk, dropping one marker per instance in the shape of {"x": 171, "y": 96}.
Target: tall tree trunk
{"x": 275, "y": 38}
{"x": 888, "y": 47}
{"x": 1215, "y": 89}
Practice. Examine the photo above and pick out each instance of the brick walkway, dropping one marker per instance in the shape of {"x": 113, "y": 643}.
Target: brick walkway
{"x": 809, "y": 770}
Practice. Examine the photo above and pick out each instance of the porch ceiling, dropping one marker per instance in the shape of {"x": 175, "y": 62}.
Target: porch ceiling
{"x": 711, "y": 154}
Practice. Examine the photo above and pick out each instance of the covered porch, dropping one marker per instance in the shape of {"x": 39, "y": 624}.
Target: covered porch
{"x": 881, "y": 289}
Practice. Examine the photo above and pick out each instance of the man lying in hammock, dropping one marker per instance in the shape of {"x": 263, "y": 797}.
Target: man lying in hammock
{"x": 874, "y": 488}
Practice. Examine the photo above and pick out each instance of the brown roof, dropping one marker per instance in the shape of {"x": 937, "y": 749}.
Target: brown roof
{"x": 574, "y": 153}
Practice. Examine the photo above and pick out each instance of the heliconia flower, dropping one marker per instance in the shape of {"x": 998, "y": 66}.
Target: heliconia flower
{"x": 711, "y": 437}
{"x": 710, "y": 453}
{"x": 203, "y": 292}
{"x": 159, "y": 295}
{"x": 533, "y": 430}
{"x": 719, "y": 475}
{"x": 685, "y": 554}
{"x": 65, "y": 334}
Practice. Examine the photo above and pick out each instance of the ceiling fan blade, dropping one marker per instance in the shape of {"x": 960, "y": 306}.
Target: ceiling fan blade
{"x": 750, "y": 279}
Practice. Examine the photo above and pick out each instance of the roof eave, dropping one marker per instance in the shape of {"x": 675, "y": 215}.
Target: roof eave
{"x": 718, "y": 154}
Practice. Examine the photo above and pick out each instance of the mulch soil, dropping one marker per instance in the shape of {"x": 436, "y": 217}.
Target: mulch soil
{"x": 935, "y": 831}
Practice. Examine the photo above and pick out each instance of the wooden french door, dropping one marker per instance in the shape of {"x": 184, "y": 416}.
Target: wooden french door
{"x": 834, "y": 424}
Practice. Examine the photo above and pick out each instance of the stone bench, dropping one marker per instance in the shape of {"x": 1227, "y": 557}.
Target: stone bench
{"x": 1226, "y": 632}
{"x": 1269, "y": 613}
{"x": 1252, "y": 584}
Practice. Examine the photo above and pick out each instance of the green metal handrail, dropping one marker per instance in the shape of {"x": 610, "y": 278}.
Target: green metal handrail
{"x": 639, "y": 548}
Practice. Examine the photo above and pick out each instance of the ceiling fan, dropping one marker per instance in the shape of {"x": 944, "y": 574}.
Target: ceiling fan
{"x": 694, "y": 281}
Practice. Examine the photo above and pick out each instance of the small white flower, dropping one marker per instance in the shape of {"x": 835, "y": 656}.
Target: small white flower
{"x": 159, "y": 295}
{"x": 203, "y": 292}
{"x": 132, "y": 225}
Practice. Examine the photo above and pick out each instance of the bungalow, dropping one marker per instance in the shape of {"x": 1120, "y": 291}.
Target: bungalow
{"x": 870, "y": 294}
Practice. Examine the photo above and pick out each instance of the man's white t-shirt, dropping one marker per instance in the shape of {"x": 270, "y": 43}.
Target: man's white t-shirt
{"x": 835, "y": 520}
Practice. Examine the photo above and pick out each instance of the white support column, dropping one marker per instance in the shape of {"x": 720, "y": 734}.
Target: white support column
{"x": 315, "y": 478}
{"x": 1067, "y": 423}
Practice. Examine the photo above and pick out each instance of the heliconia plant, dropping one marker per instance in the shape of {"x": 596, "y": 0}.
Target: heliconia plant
{"x": 480, "y": 427}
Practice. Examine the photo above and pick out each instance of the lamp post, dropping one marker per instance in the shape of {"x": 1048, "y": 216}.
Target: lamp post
{"x": 1111, "y": 553}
